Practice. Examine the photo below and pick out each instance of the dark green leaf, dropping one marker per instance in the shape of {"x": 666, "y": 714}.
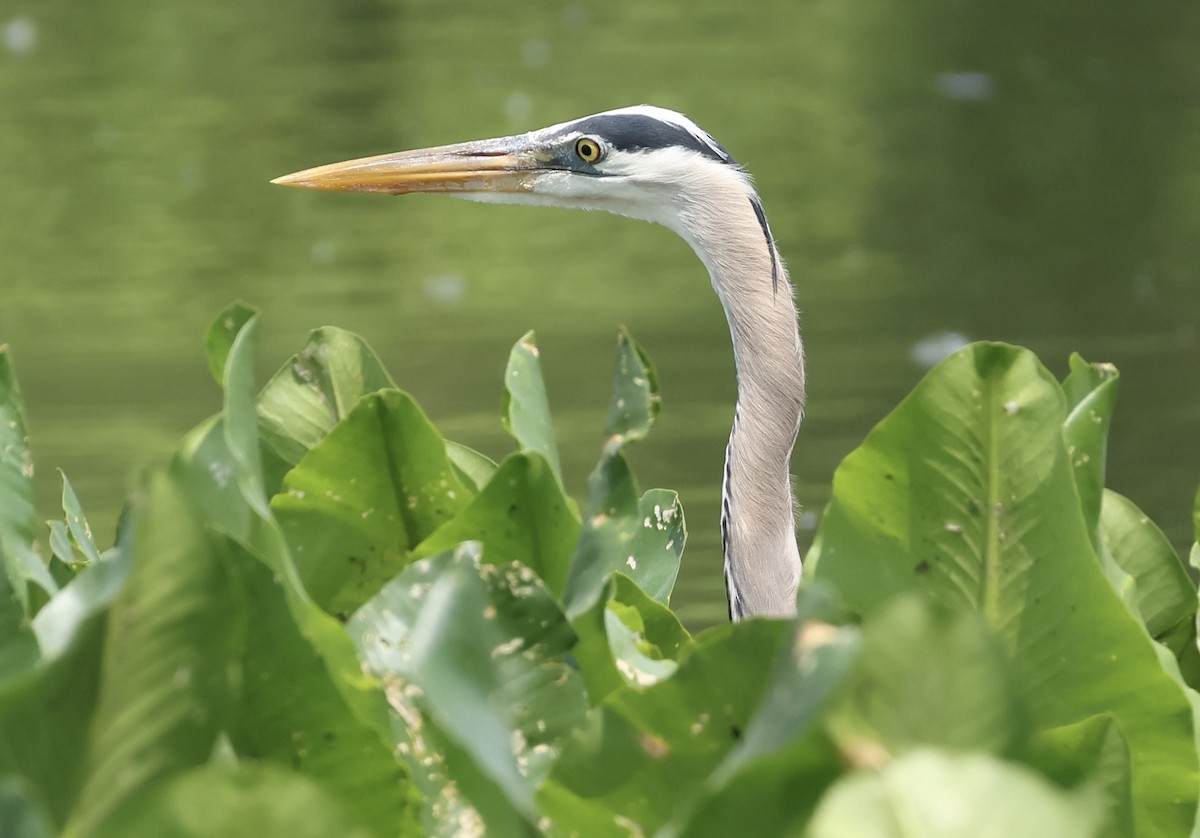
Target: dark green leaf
{"x": 221, "y": 333}
{"x": 170, "y": 654}
{"x": 243, "y": 801}
{"x": 20, "y": 814}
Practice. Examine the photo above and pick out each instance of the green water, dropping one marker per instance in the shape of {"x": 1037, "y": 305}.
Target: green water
{"x": 1022, "y": 171}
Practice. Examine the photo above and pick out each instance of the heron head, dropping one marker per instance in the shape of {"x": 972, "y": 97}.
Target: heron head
{"x": 644, "y": 162}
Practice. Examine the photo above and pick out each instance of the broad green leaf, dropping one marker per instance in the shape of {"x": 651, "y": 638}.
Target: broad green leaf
{"x": 520, "y": 515}
{"x": 311, "y": 393}
{"x": 1092, "y": 751}
{"x": 18, "y": 524}
{"x": 526, "y": 410}
{"x": 1165, "y": 593}
{"x": 929, "y": 676}
{"x": 89, "y": 593}
{"x": 477, "y": 651}
{"x": 169, "y": 657}
{"x": 218, "y": 340}
{"x": 649, "y": 749}
{"x": 77, "y": 523}
{"x": 362, "y": 498}
{"x": 290, "y": 712}
{"x": 243, "y": 801}
{"x": 769, "y": 783}
{"x": 224, "y": 499}
{"x": 965, "y": 492}
{"x": 937, "y": 795}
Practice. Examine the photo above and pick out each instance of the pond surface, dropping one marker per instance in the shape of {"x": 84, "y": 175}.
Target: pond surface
{"x": 1027, "y": 172}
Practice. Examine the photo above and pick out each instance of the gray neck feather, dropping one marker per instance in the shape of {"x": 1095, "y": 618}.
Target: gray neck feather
{"x": 762, "y": 560}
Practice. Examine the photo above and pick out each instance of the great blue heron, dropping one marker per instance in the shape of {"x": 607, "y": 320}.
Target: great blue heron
{"x": 658, "y": 165}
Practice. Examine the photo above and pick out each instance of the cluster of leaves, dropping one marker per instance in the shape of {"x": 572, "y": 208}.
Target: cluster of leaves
{"x": 324, "y": 619}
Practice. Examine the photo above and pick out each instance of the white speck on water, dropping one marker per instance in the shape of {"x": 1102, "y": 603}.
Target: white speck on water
{"x": 535, "y": 53}
{"x": 808, "y": 520}
{"x": 966, "y": 87}
{"x": 323, "y": 252}
{"x": 631, "y": 562}
{"x": 20, "y": 35}
{"x": 518, "y": 107}
{"x": 930, "y": 351}
{"x": 446, "y": 290}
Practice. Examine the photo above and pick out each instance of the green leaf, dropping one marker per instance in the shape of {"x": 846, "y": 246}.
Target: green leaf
{"x": 1092, "y": 751}
{"x": 783, "y": 754}
{"x": 635, "y": 399}
{"x": 626, "y": 638}
{"x": 1091, "y": 391}
{"x": 169, "y": 657}
{"x": 476, "y": 651}
{"x": 472, "y": 468}
{"x": 965, "y": 492}
{"x": 291, "y": 712}
{"x": 81, "y": 533}
{"x": 520, "y": 515}
{"x": 929, "y": 676}
{"x": 312, "y": 392}
{"x": 243, "y": 801}
{"x": 937, "y": 795}
{"x": 526, "y": 410}
{"x": 218, "y": 340}
{"x": 18, "y": 524}
{"x": 240, "y": 423}
{"x": 650, "y": 749}
{"x": 1165, "y": 593}
{"x": 374, "y": 488}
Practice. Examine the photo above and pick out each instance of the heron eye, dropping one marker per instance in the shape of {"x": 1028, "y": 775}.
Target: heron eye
{"x": 589, "y": 150}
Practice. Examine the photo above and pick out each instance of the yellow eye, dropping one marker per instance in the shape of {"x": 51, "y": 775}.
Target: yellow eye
{"x": 589, "y": 150}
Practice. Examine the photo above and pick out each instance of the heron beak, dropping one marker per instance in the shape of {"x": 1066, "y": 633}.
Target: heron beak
{"x": 504, "y": 165}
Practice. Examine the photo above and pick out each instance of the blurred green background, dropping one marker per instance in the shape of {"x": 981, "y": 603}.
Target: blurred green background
{"x": 934, "y": 172}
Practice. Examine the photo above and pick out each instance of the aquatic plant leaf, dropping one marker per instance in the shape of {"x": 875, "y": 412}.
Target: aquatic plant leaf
{"x": 526, "y": 410}
{"x": 241, "y": 801}
{"x": 18, "y": 524}
{"x": 939, "y": 795}
{"x": 169, "y": 656}
{"x": 966, "y": 494}
{"x": 218, "y": 340}
{"x": 474, "y": 653}
{"x": 520, "y": 515}
{"x": 375, "y": 487}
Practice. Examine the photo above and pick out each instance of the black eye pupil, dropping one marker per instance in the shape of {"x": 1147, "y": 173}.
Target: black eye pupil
{"x": 589, "y": 151}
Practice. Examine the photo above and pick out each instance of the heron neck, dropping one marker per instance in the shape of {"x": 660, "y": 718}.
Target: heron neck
{"x": 762, "y": 560}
